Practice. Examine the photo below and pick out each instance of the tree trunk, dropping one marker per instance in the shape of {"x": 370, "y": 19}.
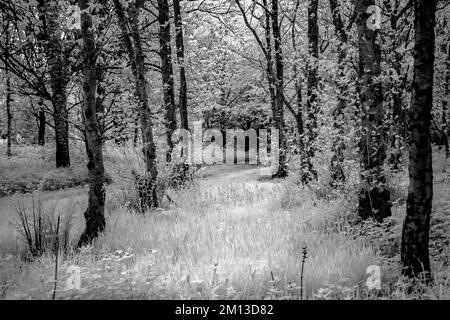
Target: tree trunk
{"x": 279, "y": 94}
{"x": 8, "y": 94}
{"x": 415, "y": 236}
{"x": 182, "y": 170}
{"x": 136, "y": 58}
{"x": 95, "y": 212}
{"x": 167, "y": 73}
{"x": 53, "y": 48}
{"x": 182, "y": 103}
{"x": 8, "y": 116}
{"x": 308, "y": 172}
{"x": 41, "y": 124}
{"x": 398, "y": 119}
{"x": 337, "y": 160}
{"x": 269, "y": 59}
{"x": 374, "y": 197}
{"x": 61, "y": 125}
{"x": 445, "y": 106}
{"x": 298, "y": 115}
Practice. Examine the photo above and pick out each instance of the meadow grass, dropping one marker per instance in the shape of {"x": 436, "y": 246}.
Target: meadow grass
{"x": 229, "y": 235}
{"x": 227, "y": 240}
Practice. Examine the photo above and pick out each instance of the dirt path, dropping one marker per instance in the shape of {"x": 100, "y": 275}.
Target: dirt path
{"x": 226, "y": 172}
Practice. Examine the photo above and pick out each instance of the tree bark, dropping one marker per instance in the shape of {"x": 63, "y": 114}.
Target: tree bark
{"x": 41, "y": 124}
{"x": 8, "y": 116}
{"x": 308, "y": 172}
{"x": 61, "y": 123}
{"x": 446, "y": 102}
{"x": 182, "y": 102}
{"x": 95, "y": 212}
{"x": 415, "y": 236}
{"x": 8, "y": 94}
{"x": 269, "y": 58}
{"x": 167, "y": 73}
{"x": 278, "y": 113}
{"x": 374, "y": 197}
{"x": 53, "y": 48}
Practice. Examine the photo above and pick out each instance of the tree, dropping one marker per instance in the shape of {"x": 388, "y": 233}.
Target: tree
{"x": 95, "y": 212}
{"x": 42, "y": 58}
{"x": 275, "y": 72}
{"x": 298, "y": 115}
{"x": 308, "y": 171}
{"x": 337, "y": 160}
{"x": 131, "y": 40}
{"x": 8, "y": 89}
{"x": 374, "y": 197}
{"x": 179, "y": 41}
{"x": 415, "y": 235}
{"x": 279, "y": 91}
{"x": 56, "y": 55}
{"x": 41, "y": 123}
{"x": 445, "y": 103}
{"x": 165, "y": 52}
{"x": 397, "y": 77}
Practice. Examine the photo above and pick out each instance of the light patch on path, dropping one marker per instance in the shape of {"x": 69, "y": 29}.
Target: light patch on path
{"x": 228, "y": 173}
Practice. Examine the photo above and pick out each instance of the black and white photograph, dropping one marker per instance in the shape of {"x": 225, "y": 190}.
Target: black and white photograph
{"x": 239, "y": 152}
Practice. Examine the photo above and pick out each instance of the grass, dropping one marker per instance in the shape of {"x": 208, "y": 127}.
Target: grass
{"x": 33, "y": 168}
{"x": 228, "y": 236}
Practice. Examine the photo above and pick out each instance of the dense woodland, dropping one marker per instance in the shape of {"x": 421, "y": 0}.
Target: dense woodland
{"x": 93, "y": 93}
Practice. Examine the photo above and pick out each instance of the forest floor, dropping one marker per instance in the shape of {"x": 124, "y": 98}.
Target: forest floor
{"x": 229, "y": 235}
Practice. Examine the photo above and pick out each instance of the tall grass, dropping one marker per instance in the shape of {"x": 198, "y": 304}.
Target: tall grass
{"x": 230, "y": 240}
{"x": 227, "y": 236}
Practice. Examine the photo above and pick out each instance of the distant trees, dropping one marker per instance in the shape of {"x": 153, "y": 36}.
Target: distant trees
{"x": 40, "y": 57}
{"x": 415, "y": 236}
{"x": 275, "y": 69}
